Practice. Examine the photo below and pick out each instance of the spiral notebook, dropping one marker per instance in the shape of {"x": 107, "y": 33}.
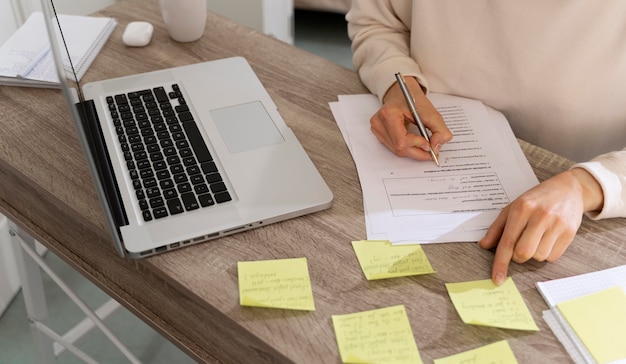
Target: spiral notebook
{"x": 26, "y": 60}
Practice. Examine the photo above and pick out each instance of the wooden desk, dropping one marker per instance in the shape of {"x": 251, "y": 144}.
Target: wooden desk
{"x": 191, "y": 295}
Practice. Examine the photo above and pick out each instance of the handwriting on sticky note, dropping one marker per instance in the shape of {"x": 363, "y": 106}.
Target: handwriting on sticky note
{"x": 484, "y": 303}
{"x": 498, "y": 352}
{"x": 377, "y": 336}
{"x": 379, "y": 259}
{"x": 599, "y": 320}
{"x": 282, "y": 283}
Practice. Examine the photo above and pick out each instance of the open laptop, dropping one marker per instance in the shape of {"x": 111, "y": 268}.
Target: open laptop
{"x": 187, "y": 154}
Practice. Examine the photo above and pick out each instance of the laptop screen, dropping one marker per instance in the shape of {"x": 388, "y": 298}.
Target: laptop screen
{"x": 79, "y": 111}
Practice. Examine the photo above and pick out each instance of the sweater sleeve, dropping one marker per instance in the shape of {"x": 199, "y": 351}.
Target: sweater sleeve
{"x": 381, "y": 42}
{"x": 610, "y": 171}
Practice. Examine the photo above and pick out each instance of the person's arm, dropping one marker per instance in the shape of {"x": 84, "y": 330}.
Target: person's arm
{"x": 380, "y": 34}
{"x": 541, "y": 223}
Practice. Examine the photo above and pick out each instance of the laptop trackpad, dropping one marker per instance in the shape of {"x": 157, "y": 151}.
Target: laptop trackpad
{"x": 246, "y": 126}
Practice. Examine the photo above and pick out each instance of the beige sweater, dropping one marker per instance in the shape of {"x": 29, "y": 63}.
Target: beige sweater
{"x": 555, "y": 68}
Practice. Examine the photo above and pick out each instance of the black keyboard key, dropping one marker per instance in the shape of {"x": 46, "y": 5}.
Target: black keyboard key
{"x": 209, "y": 167}
{"x": 170, "y": 193}
{"x": 143, "y": 205}
{"x": 218, "y": 187}
{"x": 197, "y": 142}
{"x": 201, "y": 189}
{"x": 121, "y": 99}
{"x": 206, "y": 200}
{"x": 175, "y": 206}
{"x": 222, "y": 197}
{"x": 156, "y": 202}
{"x": 213, "y": 178}
{"x": 185, "y": 116}
{"x": 147, "y": 216}
{"x": 189, "y": 201}
{"x": 160, "y": 212}
{"x": 152, "y": 193}
{"x": 184, "y": 187}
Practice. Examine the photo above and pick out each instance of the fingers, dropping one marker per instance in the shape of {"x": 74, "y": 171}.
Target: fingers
{"x": 523, "y": 231}
{"x": 389, "y": 127}
{"x": 390, "y": 124}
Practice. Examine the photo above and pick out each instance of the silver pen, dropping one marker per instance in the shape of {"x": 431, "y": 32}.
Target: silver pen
{"x": 418, "y": 121}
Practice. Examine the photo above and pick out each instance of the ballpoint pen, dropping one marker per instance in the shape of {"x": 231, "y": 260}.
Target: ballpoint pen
{"x": 418, "y": 121}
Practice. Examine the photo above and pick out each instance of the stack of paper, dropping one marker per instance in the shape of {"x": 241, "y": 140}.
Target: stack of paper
{"x": 407, "y": 201}
{"x": 26, "y": 60}
{"x": 588, "y": 314}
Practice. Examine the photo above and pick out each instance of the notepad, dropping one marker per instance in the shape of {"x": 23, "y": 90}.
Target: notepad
{"x": 25, "y": 58}
{"x": 377, "y": 336}
{"x": 565, "y": 289}
{"x": 281, "y": 283}
{"x": 599, "y": 320}
{"x": 486, "y": 304}
{"x": 379, "y": 259}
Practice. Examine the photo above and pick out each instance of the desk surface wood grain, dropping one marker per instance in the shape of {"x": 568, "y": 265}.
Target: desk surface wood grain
{"x": 191, "y": 295}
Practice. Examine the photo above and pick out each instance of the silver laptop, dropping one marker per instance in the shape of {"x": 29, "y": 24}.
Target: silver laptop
{"x": 188, "y": 154}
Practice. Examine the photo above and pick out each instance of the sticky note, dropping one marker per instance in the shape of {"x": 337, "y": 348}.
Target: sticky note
{"x": 599, "y": 320}
{"x": 379, "y": 259}
{"x": 498, "y": 352}
{"x": 484, "y": 303}
{"x": 282, "y": 283}
{"x": 378, "y": 336}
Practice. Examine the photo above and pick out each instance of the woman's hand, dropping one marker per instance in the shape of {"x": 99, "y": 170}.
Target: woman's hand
{"x": 390, "y": 124}
{"x": 541, "y": 223}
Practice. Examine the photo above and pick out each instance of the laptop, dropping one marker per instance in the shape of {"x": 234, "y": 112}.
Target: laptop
{"x": 187, "y": 154}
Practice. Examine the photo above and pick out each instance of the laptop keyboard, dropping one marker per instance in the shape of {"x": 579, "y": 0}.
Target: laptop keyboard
{"x": 168, "y": 161}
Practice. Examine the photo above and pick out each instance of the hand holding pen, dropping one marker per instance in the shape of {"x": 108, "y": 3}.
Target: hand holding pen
{"x": 410, "y": 100}
{"x": 389, "y": 124}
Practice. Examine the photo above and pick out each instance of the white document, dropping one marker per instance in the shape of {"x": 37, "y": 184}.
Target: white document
{"x": 407, "y": 201}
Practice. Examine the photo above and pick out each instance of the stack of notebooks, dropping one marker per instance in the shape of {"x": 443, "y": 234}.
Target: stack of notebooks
{"x": 26, "y": 60}
{"x": 588, "y": 314}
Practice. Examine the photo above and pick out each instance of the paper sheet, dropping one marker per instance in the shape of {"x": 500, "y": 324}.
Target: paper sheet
{"x": 486, "y": 304}
{"x": 377, "y": 336}
{"x": 406, "y": 201}
{"x": 282, "y": 283}
{"x": 379, "y": 259}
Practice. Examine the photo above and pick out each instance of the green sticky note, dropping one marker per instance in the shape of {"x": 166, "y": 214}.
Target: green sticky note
{"x": 484, "y": 303}
{"x": 377, "y": 336}
{"x": 379, "y": 259}
{"x": 282, "y": 283}
{"x": 599, "y": 320}
{"x": 498, "y": 352}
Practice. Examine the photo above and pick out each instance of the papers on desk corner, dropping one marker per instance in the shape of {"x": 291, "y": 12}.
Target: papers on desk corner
{"x": 588, "y": 314}
{"x": 26, "y": 60}
{"x": 482, "y": 169}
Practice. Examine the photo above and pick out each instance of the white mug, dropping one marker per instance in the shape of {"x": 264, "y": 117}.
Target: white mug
{"x": 185, "y": 19}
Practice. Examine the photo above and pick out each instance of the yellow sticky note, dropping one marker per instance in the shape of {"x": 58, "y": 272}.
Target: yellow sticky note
{"x": 484, "y": 303}
{"x": 379, "y": 259}
{"x": 498, "y": 352}
{"x": 599, "y": 320}
{"x": 377, "y": 336}
{"x": 282, "y": 283}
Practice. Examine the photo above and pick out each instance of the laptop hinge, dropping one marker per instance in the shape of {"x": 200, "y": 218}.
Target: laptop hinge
{"x": 102, "y": 161}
